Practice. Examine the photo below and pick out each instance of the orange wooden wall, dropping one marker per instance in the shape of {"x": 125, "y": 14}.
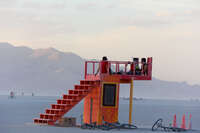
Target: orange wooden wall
{"x": 99, "y": 112}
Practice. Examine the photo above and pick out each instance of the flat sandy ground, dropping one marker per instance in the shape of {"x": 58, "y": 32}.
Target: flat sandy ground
{"x": 16, "y": 114}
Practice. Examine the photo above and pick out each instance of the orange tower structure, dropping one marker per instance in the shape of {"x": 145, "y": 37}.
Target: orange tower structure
{"x": 100, "y": 90}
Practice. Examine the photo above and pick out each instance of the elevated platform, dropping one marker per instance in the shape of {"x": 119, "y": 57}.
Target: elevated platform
{"x": 120, "y": 69}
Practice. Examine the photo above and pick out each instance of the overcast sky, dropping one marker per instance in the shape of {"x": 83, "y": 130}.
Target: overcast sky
{"x": 168, "y": 30}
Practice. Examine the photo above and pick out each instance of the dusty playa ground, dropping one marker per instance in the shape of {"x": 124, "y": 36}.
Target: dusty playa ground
{"x": 16, "y": 114}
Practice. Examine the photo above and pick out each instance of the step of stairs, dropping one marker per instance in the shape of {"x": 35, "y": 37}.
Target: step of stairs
{"x": 61, "y": 106}
{"x": 79, "y": 92}
{"x": 55, "y": 111}
{"x": 42, "y": 121}
{"x": 49, "y": 116}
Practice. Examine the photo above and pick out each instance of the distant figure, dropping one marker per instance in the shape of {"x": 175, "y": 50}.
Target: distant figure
{"x": 144, "y": 67}
{"x": 32, "y": 94}
{"x": 12, "y": 95}
{"x": 103, "y": 66}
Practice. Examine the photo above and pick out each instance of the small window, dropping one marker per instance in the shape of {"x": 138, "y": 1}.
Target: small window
{"x": 109, "y": 94}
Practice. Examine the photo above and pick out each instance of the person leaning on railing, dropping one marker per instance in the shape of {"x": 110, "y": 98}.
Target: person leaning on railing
{"x": 137, "y": 67}
{"x": 134, "y": 67}
{"x": 103, "y": 68}
{"x": 144, "y": 66}
{"x": 131, "y": 68}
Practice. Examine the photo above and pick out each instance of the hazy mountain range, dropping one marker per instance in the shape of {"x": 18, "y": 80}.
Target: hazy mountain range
{"x": 52, "y": 72}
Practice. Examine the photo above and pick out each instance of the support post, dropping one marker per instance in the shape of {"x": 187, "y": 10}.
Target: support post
{"x": 130, "y": 103}
{"x": 91, "y": 110}
{"x": 85, "y": 69}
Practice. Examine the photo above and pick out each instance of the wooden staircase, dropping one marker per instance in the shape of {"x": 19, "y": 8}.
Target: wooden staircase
{"x": 67, "y": 102}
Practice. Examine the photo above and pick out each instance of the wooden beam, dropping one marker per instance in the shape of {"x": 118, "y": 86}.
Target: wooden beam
{"x": 130, "y": 102}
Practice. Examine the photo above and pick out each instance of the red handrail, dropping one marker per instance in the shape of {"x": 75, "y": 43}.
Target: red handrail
{"x": 117, "y": 66}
